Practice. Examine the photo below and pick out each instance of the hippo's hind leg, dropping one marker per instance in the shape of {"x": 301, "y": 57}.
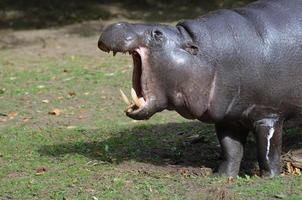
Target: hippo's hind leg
{"x": 268, "y": 132}
{"x": 232, "y": 139}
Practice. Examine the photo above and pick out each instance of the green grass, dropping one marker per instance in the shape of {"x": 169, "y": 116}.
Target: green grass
{"x": 104, "y": 155}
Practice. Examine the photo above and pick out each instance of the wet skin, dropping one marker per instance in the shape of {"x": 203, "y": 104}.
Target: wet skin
{"x": 240, "y": 69}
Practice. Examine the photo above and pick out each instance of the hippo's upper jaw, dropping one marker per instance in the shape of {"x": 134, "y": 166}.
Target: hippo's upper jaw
{"x": 119, "y": 37}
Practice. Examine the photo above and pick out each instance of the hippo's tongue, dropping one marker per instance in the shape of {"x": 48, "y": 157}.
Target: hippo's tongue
{"x": 137, "y": 102}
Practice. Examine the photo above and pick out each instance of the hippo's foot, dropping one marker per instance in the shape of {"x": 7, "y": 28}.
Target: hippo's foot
{"x": 268, "y": 132}
{"x": 229, "y": 168}
{"x": 232, "y": 139}
{"x": 270, "y": 174}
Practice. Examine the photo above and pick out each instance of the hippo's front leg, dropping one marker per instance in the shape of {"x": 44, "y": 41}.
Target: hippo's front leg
{"x": 232, "y": 140}
{"x": 268, "y": 132}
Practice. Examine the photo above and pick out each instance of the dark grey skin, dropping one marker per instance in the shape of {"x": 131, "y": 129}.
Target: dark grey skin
{"x": 240, "y": 69}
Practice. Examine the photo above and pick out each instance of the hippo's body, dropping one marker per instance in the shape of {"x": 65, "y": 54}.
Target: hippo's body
{"x": 240, "y": 69}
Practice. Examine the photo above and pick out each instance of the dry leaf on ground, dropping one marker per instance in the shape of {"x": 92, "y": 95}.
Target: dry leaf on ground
{"x": 12, "y": 115}
{"x": 71, "y": 94}
{"x": 40, "y": 171}
{"x": 45, "y": 101}
{"x": 55, "y": 112}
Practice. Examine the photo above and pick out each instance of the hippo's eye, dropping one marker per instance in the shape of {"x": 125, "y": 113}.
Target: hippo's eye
{"x": 157, "y": 35}
{"x": 191, "y": 48}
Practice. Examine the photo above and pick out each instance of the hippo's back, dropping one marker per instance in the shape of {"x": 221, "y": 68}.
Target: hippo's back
{"x": 261, "y": 31}
{"x": 275, "y": 20}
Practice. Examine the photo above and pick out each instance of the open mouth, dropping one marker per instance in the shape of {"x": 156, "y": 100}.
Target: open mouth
{"x": 139, "y": 103}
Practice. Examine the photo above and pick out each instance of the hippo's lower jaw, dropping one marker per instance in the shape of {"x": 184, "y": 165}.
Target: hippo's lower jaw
{"x": 141, "y": 113}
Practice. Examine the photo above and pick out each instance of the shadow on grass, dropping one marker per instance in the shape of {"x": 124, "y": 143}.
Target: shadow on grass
{"x": 184, "y": 144}
{"x": 31, "y": 14}
{"x": 190, "y": 143}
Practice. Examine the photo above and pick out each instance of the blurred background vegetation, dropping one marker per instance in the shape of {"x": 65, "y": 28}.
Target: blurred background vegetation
{"x": 35, "y": 14}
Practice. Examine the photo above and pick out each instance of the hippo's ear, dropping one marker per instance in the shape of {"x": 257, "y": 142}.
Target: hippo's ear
{"x": 191, "y": 48}
{"x": 157, "y": 35}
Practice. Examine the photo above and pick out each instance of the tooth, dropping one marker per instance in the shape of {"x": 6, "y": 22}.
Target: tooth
{"x": 142, "y": 101}
{"x": 129, "y": 110}
{"x": 135, "y": 98}
{"x": 125, "y": 98}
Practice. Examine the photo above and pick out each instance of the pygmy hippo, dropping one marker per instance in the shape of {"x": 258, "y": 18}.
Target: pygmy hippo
{"x": 240, "y": 69}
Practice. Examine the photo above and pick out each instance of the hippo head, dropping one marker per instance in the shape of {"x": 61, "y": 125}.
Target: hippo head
{"x": 169, "y": 69}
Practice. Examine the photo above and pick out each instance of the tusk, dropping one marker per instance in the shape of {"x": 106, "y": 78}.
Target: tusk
{"x": 135, "y": 98}
{"x": 142, "y": 101}
{"x": 124, "y": 97}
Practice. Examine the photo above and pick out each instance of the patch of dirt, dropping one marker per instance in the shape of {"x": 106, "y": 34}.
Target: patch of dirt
{"x": 195, "y": 192}
{"x": 9, "y": 40}
{"x": 16, "y": 175}
{"x": 54, "y": 43}
{"x": 157, "y": 171}
{"x": 217, "y": 193}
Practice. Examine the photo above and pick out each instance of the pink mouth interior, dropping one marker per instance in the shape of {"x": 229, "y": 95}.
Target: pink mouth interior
{"x": 137, "y": 82}
{"x": 137, "y": 74}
